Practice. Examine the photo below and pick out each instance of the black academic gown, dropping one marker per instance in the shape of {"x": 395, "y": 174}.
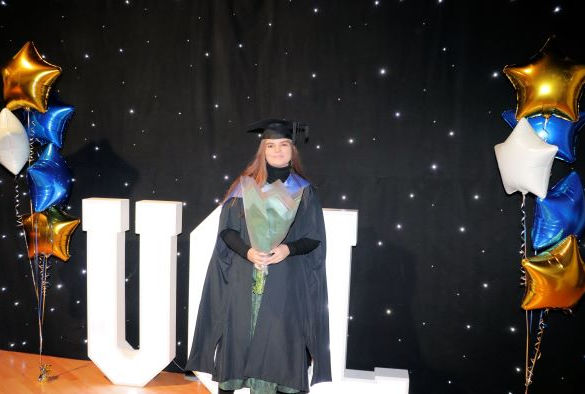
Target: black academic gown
{"x": 293, "y": 320}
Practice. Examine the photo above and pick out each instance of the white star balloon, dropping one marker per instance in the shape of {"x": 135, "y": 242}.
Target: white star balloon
{"x": 525, "y": 161}
{"x": 13, "y": 142}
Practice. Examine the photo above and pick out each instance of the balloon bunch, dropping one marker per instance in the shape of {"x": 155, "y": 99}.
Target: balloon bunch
{"x": 27, "y": 80}
{"x": 545, "y": 125}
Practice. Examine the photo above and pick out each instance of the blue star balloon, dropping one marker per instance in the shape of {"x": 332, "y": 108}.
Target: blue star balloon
{"x": 49, "y": 179}
{"x": 50, "y": 126}
{"x": 560, "y": 214}
{"x": 555, "y": 131}
{"x": 51, "y": 153}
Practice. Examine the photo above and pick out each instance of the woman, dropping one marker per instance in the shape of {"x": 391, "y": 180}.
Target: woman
{"x": 266, "y": 341}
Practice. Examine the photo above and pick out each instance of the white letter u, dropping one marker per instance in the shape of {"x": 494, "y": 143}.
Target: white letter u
{"x": 158, "y": 222}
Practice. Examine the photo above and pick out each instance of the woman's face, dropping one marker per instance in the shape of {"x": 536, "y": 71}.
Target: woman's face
{"x": 278, "y": 152}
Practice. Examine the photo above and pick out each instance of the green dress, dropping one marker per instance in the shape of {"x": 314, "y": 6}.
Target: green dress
{"x": 257, "y": 386}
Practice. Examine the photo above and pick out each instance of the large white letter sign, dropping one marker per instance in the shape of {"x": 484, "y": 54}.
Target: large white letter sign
{"x": 341, "y": 228}
{"x": 158, "y": 223}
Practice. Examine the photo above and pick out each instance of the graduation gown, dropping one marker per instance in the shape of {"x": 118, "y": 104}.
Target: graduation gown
{"x": 292, "y": 328}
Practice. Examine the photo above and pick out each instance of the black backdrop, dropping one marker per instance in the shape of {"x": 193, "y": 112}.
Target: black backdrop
{"x": 403, "y": 99}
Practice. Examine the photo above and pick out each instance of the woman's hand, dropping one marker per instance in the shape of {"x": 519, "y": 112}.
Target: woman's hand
{"x": 278, "y": 254}
{"x": 257, "y": 257}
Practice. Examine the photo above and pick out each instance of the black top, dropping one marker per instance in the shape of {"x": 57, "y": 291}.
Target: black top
{"x": 275, "y": 173}
{"x": 235, "y": 242}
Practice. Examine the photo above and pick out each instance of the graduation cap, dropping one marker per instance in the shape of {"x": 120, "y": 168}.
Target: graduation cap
{"x": 278, "y": 128}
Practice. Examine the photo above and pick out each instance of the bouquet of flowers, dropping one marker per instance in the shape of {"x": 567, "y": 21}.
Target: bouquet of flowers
{"x": 269, "y": 212}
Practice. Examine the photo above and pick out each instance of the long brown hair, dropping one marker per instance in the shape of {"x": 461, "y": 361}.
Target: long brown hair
{"x": 256, "y": 169}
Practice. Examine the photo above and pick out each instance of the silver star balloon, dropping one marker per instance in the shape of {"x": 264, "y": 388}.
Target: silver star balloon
{"x": 525, "y": 161}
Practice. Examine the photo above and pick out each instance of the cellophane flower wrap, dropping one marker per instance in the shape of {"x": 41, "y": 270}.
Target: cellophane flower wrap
{"x": 269, "y": 212}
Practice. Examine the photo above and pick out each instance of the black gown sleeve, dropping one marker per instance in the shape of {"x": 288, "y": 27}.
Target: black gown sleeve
{"x": 312, "y": 225}
{"x": 235, "y": 242}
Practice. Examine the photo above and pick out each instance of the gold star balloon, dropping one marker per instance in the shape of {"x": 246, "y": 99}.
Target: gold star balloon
{"x": 555, "y": 278}
{"x": 28, "y": 79}
{"x": 62, "y": 226}
{"x": 49, "y": 233}
{"x": 549, "y": 84}
{"x": 38, "y": 234}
